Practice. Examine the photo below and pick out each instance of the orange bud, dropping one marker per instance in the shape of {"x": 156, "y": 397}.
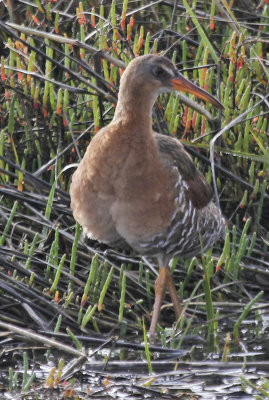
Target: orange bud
{"x": 35, "y": 19}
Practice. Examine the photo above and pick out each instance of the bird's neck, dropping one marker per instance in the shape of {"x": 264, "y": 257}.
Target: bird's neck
{"x": 134, "y": 108}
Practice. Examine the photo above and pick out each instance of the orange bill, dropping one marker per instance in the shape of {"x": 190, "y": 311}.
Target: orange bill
{"x": 184, "y": 85}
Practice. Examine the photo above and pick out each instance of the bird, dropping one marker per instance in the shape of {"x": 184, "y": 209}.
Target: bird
{"x": 139, "y": 189}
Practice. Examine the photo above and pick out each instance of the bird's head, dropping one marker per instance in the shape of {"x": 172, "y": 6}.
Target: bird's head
{"x": 157, "y": 75}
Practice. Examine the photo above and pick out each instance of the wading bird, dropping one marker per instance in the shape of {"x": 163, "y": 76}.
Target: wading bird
{"x": 140, "y": 189}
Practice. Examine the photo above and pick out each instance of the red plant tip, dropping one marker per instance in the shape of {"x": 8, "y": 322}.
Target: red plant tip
{"x": 35, "y": 19}
{"x": 7, "y": 95}
{"x": 185, "y": 116}
{"x": 132, "y": 22}
{"x": 212, "y": 24}
{"x": 123, "y": 20}
{"x": 187, "y": 128}
{"x": 57, "y": 381}
{"x": 81, "y": 19}
{"x": 218, "y": 268}
{"x": 194, "y": 119}
{"x": 115, "y": 48}
{"x": 93, "y": 23}
{"x": 240, "y": 62}
{"x": 57, "y": 296}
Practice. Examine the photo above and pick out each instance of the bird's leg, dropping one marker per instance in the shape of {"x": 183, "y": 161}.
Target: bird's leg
{"x": 173, "y": 294}
{"x": 159, "y": 286}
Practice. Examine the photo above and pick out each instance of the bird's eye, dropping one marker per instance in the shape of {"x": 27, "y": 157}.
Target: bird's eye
{"x": 158, "y": 72}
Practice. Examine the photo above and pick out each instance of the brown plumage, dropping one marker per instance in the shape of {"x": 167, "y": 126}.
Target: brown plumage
{"x": 140, "y": 189}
